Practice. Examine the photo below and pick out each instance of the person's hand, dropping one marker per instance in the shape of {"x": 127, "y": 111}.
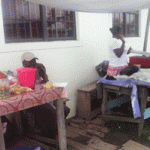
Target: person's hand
{"x": 121, "y": 38}
{"x": 129, "y": 50}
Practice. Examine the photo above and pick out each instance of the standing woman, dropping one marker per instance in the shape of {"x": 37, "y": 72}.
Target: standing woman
{"x": 118, "y": 54}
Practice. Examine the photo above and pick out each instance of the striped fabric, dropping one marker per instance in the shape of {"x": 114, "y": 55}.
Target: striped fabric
{"x": 114, "y": 71}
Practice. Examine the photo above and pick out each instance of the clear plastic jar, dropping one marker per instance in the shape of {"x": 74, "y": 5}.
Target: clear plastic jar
{"x": 4, "y": 86}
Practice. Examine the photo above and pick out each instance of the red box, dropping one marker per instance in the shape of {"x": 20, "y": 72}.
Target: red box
{"x": 140, "y": 60}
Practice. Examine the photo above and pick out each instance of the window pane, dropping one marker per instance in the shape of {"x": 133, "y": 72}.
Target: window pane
{"x": 26, "y": 10}
{"x": 131, "y": 30}
{"x": 48, "y": 13}
{"x": 71, "y": 16}
{"x": 69, "y": 27}
{"x": 132, "y": 18}
{"x": 9, "y": 9}
{"x": 35, "y": 26}
{"x": 21, "y": 30}
{"x": 127, "y": 18}
{"x": 27, "y": 29}
{"x": 121, "y": 18}
{"x": 60, "y": 29}
{"x": 58, "y": 14}
{"x": 51, "y": 29}
{"x": 116, "y": 18}
{"x": 14, "y": 30}
{"x": 8, "y": 30}
{"x": 19, "y": 9}
{"x": 34, "y": 11}
{"x": 53, "y": 13}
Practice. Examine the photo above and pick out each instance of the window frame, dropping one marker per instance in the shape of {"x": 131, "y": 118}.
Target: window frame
{"x": 44, "y": 31}
{"x": 124, "y": 23}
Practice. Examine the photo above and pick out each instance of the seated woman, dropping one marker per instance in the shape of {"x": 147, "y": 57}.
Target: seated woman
{"x": 117, "y": 54}
{"x": 41, "y": 118}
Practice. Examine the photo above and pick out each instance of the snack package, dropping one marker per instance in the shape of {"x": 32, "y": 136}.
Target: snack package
{"x": 11, "y": 77}
{"x": 48, "y": 85}
{"x": 4, "y": 86}
{"x": 17, "y": 89}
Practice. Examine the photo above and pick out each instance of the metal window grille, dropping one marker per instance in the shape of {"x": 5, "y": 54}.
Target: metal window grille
{"x": 25, "y": 22}
{"x": 129, "y": 21}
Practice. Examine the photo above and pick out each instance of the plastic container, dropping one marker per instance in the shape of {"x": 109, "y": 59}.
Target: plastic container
{"x": 4, "y": 86}
{"x": 27, "y": 77}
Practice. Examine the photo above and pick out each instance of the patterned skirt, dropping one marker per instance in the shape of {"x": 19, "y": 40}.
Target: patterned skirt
{"x": 114, "y": 71}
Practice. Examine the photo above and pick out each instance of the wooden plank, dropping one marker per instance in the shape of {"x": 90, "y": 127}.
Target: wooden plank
{"x": 71, "y": 134}
{"x": 42, "y": 139}
{"x": 97, "y": 121}
{"x": 78, "y": 120}
{"x": 78, "y": 145}
{"x": 99, "y": 144}
{"x": 76, "y": 132}
{"x": 125, "y": 119}
{"x": 61, "y": 125}
{"x": 74, "y": 125}
{"x": 133, "y": 145}
{"x": 94, "y": 132}
{"x": 105, "y": 130}
{"x": 95, "y": 112}
{"x": 88, "y": 87}
{"x": 111, "y": 87}
{"x": 2, "y": 143}
{"x": 94, "y": 127}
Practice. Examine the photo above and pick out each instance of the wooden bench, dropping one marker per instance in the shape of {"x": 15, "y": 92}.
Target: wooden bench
{"x": 88, "y": 105}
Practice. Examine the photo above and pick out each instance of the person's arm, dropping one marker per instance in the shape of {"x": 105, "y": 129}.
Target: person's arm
{"x": 42, "y": 73}
{"x": 120, "y": 51}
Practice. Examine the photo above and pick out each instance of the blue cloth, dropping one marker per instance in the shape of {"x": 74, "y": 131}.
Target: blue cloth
{"x": 128, "y": 83}
{"x": 27, "y": 148}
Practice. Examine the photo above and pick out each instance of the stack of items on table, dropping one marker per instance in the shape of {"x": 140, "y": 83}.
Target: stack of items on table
{"x": 10, "y": 86}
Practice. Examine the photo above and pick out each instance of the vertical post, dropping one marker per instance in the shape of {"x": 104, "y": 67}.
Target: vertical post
{"x": 144, "y": 95}
{"x": 61, "y": 125}
{"x": 147, "y": 31}
{"x": 18, "y": 121}
{"x": 2, "y": 143}
{"x": 105, "y": 99}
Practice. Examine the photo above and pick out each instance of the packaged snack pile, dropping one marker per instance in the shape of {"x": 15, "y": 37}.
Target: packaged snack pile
{"x": 17, "y": 89}
{"x": 4, "y": 86}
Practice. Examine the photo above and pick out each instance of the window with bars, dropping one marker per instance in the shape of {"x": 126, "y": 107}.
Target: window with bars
{"x": 25, "y": 22}
{"x": 128, "y": 21}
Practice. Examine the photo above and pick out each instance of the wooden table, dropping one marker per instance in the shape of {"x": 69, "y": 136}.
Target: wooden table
{"x": 32, "y": 99}
{"x": 142, "y": 93}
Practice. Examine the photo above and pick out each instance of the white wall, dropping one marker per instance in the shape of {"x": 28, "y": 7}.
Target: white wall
{"x": 68, "y": 61}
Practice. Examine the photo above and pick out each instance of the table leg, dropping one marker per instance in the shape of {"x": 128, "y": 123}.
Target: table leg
{"x": 18, "y": 121}
{"x": 105, "y": 99}
{"x": 2, "y": 142}
{"x": 61, "y": 125}
{"x": 144, "y": 95}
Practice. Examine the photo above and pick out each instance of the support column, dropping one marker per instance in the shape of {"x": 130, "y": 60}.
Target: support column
{"x": 61, "y": 125}
{"x": 2, "y": 142}
{"x": 147, "y": 31}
